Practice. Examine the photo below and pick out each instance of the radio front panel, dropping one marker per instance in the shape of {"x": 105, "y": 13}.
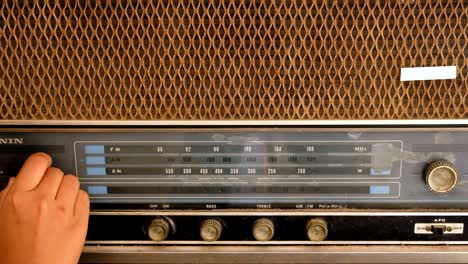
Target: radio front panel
{"x": 260, "y": 185}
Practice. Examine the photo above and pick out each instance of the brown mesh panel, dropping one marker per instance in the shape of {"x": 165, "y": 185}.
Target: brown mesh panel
{"x": 202, "y": 60}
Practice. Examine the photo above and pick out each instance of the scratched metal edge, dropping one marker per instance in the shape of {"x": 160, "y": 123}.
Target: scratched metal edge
{"x": 198, "y": 123}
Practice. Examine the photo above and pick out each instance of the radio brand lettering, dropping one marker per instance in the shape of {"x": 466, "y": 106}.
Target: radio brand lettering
{"x": 11, "y": 140}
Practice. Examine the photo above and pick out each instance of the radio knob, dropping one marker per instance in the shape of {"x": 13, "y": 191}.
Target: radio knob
{"x": 441, "y": 176}
{"x": 210, "y": 230}
{"x": 263, "y": 229}
{"x": 158, "y": 230}
{"x": 317, "y": 229}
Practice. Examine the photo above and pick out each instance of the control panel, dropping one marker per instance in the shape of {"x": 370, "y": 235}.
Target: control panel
{"x": 260, "y": 185}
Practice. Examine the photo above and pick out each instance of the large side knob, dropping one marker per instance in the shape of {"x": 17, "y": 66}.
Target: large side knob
{"x": 441, "y": 176}
{"x": 210, "y": 230}
{"x": 317, "y": 229}
{"x": 158, "y": 230}
{"x": 263, "y": 229}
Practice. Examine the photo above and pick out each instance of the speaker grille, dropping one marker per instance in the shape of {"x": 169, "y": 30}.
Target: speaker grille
{"x": 206, "y": 60}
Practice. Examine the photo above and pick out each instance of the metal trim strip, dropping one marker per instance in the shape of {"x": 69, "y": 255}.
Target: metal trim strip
{"x": 284, "y": 213}
{"x": 276, "y": 254}
{"x": 270, "y": 243}
{"x": 198, "y": 123}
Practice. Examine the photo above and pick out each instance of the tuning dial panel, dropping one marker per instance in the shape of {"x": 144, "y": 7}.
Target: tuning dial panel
{"x": 158, "y": 230}
{"x": 210, "y": 230}
{"x": 441, "y": 176}
{"x": 263, "y": 229}
{"x": 317, "y": 229}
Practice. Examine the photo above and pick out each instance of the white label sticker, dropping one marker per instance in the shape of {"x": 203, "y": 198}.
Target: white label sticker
{"x": 428, "y": 73}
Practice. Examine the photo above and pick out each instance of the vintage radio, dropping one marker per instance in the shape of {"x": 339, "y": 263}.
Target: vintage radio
{"x": 247, "y": 131}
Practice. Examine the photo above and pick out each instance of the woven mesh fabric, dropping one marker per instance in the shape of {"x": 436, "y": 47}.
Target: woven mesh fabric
{"x": 208, "y": 60}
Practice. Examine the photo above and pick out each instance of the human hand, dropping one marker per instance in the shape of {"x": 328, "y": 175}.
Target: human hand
{"x": 43, "y": 215}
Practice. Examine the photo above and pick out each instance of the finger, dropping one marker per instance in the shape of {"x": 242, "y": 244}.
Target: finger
{"x": 32, "y": 172}
{"x": 82, "y": 206}
{"x": 68, "y": 191}
{"x": 51, "y": 182}
{"x": 5, "y": 191}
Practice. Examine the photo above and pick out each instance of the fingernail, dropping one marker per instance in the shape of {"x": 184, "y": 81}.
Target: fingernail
{"x": 43, "y": 155}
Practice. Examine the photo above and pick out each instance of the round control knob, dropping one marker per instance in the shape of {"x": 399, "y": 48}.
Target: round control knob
{"x": 158, "y": 230}
{"x": 317, "y": 229}
{"x": 210, "y": 230}
{"x": 441, "y": 176}
{"x": 263, "y": 229}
